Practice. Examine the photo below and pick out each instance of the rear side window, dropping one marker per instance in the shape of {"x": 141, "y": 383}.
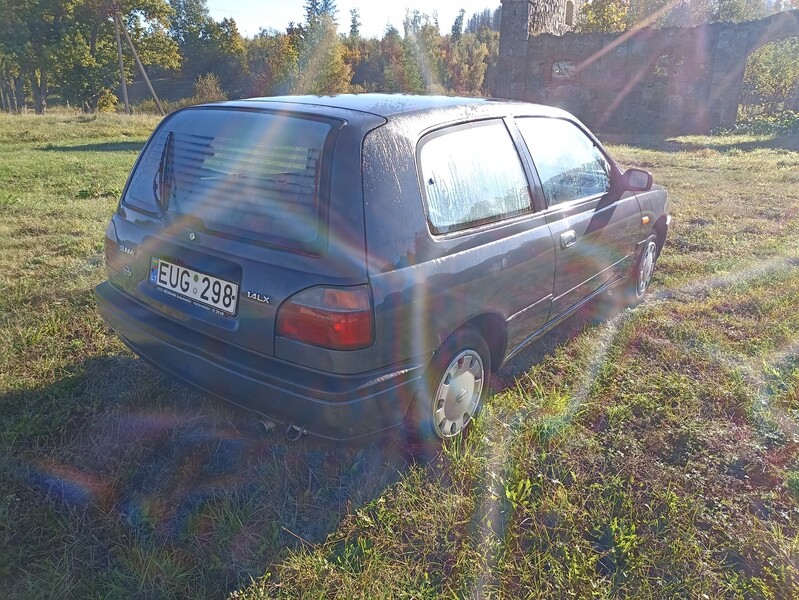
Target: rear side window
{"x": 247, "y": 175}
{"x": 568, "y": 162}
{"x": 472, "y": 175}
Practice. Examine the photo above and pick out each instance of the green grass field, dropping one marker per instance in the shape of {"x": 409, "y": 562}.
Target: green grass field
{"x": 648, "y": 453}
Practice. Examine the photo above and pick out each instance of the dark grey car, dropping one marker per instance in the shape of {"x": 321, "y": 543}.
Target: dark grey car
{"x": 346, "y": 264}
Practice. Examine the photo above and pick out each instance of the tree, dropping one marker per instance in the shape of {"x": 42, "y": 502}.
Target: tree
{"x": 772, "y": 78}
{"x": 31, "y": 32}
{"x": 272, "y": 61}
{"x": 329, "y": 8}
{"x": 312, "y": 11}
{"x": 426, "y": 45}
{"x": 457, "y": 26}
{"x": 355, "y": 23}
{"x": 603, "y": 15}
{"x": 208, "y": 46}
{"x": 490, "y": 39}
{"x": 690, "y": 13}
{"x": 322, "y": 69}
{"x": 11, "y": 84}
{"x": 465, "y": 63}
{"x": 72, "y": 42}
{"x": 400, "y": 72}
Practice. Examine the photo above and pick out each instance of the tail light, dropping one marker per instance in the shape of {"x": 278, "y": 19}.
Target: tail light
{"x": 328, "y": 317}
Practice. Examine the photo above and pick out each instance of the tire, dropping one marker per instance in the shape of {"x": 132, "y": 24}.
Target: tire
{"x": 641, "y": 275}
{"x": 439, "y": 410}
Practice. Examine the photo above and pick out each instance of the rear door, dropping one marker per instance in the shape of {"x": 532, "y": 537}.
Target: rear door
{"x": 594, "y": 236}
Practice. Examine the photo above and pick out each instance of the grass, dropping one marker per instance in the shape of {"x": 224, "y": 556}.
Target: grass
{"x": 647, "y": 453}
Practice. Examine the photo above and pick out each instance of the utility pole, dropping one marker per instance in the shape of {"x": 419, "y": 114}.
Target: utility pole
{"x": 122, "y": 83}
{"x": 139, "y": 63}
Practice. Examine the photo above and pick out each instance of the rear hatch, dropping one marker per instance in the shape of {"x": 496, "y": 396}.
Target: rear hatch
{"x": 229, "y": 212}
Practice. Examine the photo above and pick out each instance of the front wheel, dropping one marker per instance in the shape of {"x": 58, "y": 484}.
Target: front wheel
{"x": 453, "y": 390}
{"x": 641, "y": 276}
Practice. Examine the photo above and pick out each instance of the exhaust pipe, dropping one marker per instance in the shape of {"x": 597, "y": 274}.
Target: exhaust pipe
{"x": 265, "y": 426}
{"x": 294, "y": 433}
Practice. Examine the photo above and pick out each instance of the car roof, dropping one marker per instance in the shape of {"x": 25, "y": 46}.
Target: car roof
{"x": 394, "y": 105}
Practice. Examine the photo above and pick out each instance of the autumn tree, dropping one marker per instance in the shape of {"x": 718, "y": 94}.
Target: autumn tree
{"x": 401, "y": 71}
{"x": 603, "y": 16}
{"x": 426, "y": 45}
{"x": 465, "y": 59}
{"x": 272, "y": 61}
{"x": 321, "y": 68}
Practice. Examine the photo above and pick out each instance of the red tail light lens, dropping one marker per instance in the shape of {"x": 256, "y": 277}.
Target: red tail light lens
{"x": 334, "y": 318}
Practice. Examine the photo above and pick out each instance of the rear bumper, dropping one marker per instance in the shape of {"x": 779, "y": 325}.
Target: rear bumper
{"x": 339, "y": 407}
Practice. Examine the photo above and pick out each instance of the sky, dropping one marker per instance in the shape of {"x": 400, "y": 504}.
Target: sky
{"x": 252, "y": 15}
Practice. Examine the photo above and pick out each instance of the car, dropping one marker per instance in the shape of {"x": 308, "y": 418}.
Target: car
{"x": 353, "y": 263}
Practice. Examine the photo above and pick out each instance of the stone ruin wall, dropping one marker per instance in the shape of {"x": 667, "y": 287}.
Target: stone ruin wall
{"x": 659, "y": 81}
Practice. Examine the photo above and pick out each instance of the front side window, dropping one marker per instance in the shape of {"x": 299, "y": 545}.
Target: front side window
{"x": 472, "y": 175}
{"x": 250, "y": 175}
{"x": 568, "y": 162}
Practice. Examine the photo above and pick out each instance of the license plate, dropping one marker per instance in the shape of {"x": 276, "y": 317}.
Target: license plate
{"x": 192, "y": 285}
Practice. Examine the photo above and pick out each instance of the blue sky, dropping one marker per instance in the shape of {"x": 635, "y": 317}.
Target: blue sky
{"x": 252, "y": 15}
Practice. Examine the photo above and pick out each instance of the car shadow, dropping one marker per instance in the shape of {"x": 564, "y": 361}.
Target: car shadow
{"x": 101, "y": 147}
{"x": 158, "y": 468}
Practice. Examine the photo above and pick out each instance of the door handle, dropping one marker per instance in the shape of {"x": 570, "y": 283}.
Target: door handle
{"x": 568, "y": 239}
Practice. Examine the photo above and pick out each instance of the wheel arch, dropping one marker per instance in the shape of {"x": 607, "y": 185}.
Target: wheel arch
{"x": 660, "y": 228}
{"x": 492, "y": 328}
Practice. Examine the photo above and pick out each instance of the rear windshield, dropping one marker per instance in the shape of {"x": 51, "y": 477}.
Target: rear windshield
{"x": 248, "y": 175}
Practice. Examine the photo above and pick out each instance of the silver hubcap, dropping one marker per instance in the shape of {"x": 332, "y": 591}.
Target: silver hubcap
{"x": 457, "y": 396}
{"x": 646, "y": 267}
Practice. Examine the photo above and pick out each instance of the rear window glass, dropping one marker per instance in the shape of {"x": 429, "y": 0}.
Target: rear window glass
{"x": 472, "y": 175}
{"x": 249, "y": 175}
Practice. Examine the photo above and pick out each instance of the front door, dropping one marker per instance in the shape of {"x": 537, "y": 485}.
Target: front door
{"x": 594, "y": 237}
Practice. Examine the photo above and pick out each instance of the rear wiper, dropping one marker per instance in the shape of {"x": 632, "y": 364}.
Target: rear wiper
{"x": 166, "y": 174}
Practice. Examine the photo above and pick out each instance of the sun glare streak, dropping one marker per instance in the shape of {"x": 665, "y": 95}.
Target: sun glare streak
{"x": 488, "y": 517}
{"x": 623, "y": 38}
{"x": 633, "y": 31}
{"x": 422, "y": 62}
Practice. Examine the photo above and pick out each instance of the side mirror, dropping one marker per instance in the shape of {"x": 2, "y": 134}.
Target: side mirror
{"x": 637, "y": 180}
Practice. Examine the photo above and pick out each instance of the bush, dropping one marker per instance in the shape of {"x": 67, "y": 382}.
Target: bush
{"x": 785, "y": 122}
{"x": 207, "y": 89}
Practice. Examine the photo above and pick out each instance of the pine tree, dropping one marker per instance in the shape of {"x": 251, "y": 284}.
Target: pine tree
{"x": 457, "y": 26}
{"x": 329, "y": 8}
{"x": 355, "y": 23}
{"x": 312, "y": 11}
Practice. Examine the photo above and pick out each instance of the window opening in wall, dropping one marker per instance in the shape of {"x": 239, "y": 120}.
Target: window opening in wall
{"x": 563, "y": 70}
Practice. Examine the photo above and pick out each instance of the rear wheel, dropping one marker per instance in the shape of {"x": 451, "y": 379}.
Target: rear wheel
{"x": 453, "y": 390}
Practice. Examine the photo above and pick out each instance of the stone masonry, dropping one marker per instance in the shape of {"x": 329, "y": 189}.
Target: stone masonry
{"x": 662, "y": 81}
